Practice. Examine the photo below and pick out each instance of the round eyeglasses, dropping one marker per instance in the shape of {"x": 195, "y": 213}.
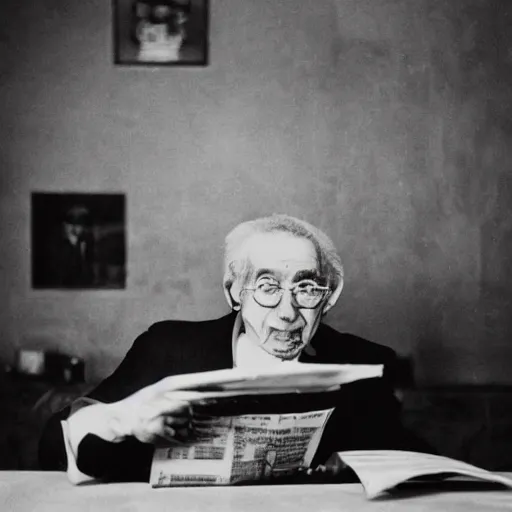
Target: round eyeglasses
{"x": 305, "y": 295}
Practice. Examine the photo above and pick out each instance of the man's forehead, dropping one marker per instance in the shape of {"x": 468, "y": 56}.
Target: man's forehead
{"x": 281, "y": 252}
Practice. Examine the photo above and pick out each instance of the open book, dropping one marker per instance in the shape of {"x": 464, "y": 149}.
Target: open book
{"x": 241, "y": 441}
{"x": 382, "y": 470}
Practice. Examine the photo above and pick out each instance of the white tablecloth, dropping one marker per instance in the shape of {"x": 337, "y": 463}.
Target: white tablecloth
{"x": 51, "y": 492}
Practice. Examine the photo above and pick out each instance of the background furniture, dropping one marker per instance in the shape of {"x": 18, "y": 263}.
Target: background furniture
{"x": 26, "y": 405}
{"x": 473, "y": 424}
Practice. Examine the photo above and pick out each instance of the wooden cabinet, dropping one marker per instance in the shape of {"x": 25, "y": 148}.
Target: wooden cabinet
{"x": 26, "y": 404}
{"x": 473, "y": 424}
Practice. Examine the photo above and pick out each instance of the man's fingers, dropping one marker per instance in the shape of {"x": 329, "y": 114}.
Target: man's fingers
{"x": 176, "y": 421}
{"x": 182, "y": 434}
{"x": 174, "y": 435}
{"x": 169, "y": 407}
{"x": 178, "y": 428}
{"x": 312, "y": 471}
{"x": 169, "y": 434}
{"x": 168, "y": 431}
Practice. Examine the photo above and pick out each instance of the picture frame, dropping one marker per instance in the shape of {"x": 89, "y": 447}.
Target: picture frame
{"x": 160, "y": 32}
{"x": 78, "y": 241}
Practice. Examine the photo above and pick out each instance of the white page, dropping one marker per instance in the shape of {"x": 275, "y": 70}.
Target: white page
{"x": 300, "y": 377}
{"x": 380, "y": 470}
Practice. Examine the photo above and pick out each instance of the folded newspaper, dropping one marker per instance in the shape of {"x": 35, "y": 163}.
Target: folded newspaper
{"x": 233, "y": 448}
{"x": 382, "y": 470}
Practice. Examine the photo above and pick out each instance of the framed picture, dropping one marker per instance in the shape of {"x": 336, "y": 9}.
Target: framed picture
{"x": 161, "y": 32}
{"x": 78, "y": 241}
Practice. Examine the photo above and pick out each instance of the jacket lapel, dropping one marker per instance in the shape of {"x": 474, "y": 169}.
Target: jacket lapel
{"x": 219, "y": 333}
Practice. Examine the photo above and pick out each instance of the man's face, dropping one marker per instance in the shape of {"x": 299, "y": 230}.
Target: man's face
{"x": 73, "y": 230}
{"x": 282, "y": 259}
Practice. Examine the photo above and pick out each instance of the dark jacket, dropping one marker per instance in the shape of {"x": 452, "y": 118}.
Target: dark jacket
{"x": 366, "y": 415}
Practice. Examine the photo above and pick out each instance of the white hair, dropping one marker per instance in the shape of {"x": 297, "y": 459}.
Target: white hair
{"x": 236, "y": 261}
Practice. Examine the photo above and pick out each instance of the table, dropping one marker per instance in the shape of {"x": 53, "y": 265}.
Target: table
{"x": 27, "y": 491}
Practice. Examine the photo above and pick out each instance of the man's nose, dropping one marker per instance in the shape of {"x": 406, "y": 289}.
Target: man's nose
{"x": 285, "y": 309}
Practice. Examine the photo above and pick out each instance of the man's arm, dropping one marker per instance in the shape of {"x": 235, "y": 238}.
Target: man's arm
{"x": 52, "y": 445}
{"x": 111, "y": 440}
{"x": 94, "y": 419}
{"x": 55, "y": 444}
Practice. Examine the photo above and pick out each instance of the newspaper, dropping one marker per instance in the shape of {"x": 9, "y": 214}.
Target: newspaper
{"x": 244, "y": 448}
{"x": 282, "y": 378}
{"x": 237, "y": 442}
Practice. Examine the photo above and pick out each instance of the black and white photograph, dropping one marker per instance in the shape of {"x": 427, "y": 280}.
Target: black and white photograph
{"x": 78, "y": 241}
{"x": 161, "y": 32}
{"x": 256, "y": 255}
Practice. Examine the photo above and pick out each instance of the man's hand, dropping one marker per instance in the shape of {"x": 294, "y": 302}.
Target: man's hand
{"x": 332, "y": 470}
{"x": 153, "y": 414}
{"x": 156, "y": 413}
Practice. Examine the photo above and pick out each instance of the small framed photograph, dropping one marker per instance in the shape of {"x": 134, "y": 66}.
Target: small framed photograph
{"x": 78, "y": 241}
{"x": 161, "y": 32}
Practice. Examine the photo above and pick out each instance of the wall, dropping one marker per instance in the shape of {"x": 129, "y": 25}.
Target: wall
{"x": 385, "y": 122}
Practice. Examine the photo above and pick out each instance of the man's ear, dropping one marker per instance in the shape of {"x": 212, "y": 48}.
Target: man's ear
{"x": 333, "y": 297}
{"x": 232, "y": 294}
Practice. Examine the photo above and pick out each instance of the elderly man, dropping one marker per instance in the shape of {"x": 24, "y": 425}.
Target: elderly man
{"x": 282, "y": 275}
